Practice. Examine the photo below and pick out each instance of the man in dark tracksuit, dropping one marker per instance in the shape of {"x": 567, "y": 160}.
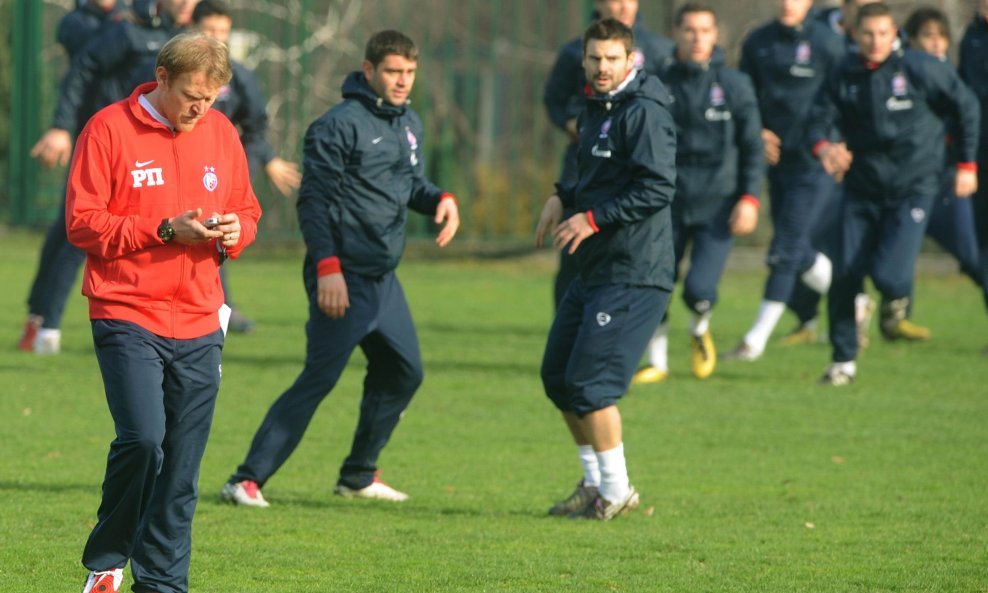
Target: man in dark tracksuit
{"x": 787, "y": 60}
{"x": 243, "y": 103}
{"x": 974, "y": 71}
{"x": 565, "y": 96}
{"x": 622, "y": 235}
{"x": 102, "y": 72}
{"x": 363, "y": 169}
{"x": 60, "y": 260}
{"x": 890, "y": 107}
{"x": 719, "y": 172}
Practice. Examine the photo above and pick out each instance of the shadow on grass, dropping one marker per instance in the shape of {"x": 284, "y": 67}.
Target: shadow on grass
{"x": 52, "y": 488}
{"x": 482, "y": 330}
{"x": 376, "y": 507}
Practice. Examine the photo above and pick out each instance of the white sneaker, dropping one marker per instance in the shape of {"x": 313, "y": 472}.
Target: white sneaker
{"x": 48, "y": 341}
{"x": 103, "y": 581}
{"x": 245, "y": 493}
{"x": 377, "y": 490}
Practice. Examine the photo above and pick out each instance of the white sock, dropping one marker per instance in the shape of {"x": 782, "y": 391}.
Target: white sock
{"x": 591, "y": 469}
{"x": 848, "y": 368}
{"x": 819, "y": 275}
{"x": 768, "y": 317}
{"x": 658, "y": 348}
{"x": 699, "y": 324}
{"x": 614, "y": 486}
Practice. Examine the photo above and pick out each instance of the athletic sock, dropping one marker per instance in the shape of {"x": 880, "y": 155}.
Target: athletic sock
{"x": 614, "y": 486}
{"x": 591, "y": 469}
{"x": 658, "y": 348}
{"x": 768, "y": 317}
{"x": 849, "y": 368}
{"x": 700, "y": 323}
{"x": 819, "y": 275}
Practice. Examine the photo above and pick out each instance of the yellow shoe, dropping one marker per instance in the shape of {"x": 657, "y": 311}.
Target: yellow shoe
{"x": 704, "y": 357}
{"x": 803, "y": 334}
{"x": 648, "y": 375}
{"x": 904, "y": 329}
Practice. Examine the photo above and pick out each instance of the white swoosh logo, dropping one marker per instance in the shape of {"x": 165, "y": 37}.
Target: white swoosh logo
{"x": 376, "y": 140}
{"x": 139, "y": 164}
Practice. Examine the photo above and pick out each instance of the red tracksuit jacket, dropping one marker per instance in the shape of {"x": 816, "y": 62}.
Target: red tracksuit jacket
{"x": 129, "y": 172}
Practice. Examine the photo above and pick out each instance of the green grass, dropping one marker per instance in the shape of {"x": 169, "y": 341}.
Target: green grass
{"x": 754, "y": 480}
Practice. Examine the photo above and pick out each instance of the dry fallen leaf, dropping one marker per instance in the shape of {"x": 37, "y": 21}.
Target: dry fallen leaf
{"x": 649, "y": 511}
{"x": 809, "y": 525}
{"x": 838, "y": 459}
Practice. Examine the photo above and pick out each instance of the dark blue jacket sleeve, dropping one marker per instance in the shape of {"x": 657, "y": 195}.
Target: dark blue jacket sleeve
{"x": 825, "y": 118}
{"x": 327, "y": 144}
{"x": 103, "y": 53}
{"x": 952, "y": 99}
{"x": 252, "y": 118}
{"x": 650, "y": 141}
{"x": 751, "y": 159}
{"x": 75, "y": 29}
{"x": 564, "y": 77}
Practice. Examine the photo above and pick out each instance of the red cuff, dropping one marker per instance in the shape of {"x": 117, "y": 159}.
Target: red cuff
{"x": 972, "y": 167}
{"x": 327, "y": 266}
{"x": 751, "y": 200}
{"x": 448, "y": 196}
{"x": 818, "y": 147}
{"x": 593, "y": 223}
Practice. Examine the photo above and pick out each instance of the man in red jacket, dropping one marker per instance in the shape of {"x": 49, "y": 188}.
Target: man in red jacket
{"x": 158, "y": 197}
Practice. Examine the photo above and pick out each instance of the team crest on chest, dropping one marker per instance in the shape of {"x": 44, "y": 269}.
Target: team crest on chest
{"x": 899, "y": 85}
{"x": 803, "y": 52}
{"x": 717, "y": 95}
{"x": 209, "y": 179}
{"x": 605, "y": 128}
{"x": 413, "y": 143}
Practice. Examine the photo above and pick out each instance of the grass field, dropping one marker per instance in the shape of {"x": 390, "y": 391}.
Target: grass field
{"x": 754, "y": 480}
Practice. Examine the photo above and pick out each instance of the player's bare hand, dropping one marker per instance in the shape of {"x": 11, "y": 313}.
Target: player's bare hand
{"x": 552, "y": 213}
{"x": 447, "y": 212}
{"x": 836, "y": 159}
{"x": 229, "y": 225}
{"x": 572, "y": 232}
{"x": 54, "y": 148}
{"x": 333, "y": 297}
{"x": 966, "y": 183}
{"x": 744, "y": 218}
{"x": 284, "y": 175}
{"x": 773, "y": 146}
{"x": 189, "y": 229}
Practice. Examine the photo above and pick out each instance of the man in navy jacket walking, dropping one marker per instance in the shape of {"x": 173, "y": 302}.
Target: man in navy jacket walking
{"x": 363, "y": 170}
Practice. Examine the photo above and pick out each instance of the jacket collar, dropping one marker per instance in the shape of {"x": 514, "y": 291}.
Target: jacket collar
{"x": 138, "y": 111}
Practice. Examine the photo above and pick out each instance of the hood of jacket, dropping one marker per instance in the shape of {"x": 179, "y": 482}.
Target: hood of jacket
{"x": 356, "y": 87}
{"x": 641, "y": 86}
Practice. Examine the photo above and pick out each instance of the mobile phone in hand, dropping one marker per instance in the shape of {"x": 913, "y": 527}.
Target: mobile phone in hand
{"x": 211, "y": 222}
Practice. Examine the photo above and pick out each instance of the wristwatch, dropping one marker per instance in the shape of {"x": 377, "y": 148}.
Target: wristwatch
{"x": 165, "y": 231}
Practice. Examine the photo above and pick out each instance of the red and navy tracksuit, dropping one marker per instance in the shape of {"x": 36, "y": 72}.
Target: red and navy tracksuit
{"x": 626, "y": 161}
{"x": 364, "y": 169}
{"x": 154, "y": 308}
{"x": 891, "y": 115}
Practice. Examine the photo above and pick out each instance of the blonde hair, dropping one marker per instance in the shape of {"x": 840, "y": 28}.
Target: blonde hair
{"x": 195, "y": 52}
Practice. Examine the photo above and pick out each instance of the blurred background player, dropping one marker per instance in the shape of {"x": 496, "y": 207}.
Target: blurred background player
{"x": 59, "y": 260}
{"x": 787, "y": 60}
{"x": 565, "y": 95}
{"x": 364, "y": 168}
{"x": 891, "y": 166}
{"x": 951, "y": 222}
{"x": 974, "y": 71}
{"x": 621, "y": 233}
{"x": 102, "y": 72}
{"x": 243, "y": 103}
{"x": 719, "y": 173}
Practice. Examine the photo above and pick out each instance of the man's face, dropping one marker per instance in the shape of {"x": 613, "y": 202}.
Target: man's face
{"x": 216, "y": 26}
{"x": 849, "y": 14}
{"x": 876, "y": 36}
{"x": 106, "y": 5}
{"x": 793, "y": 12}
{"x": 392, "y": 79}
{"x": 185, "y": 98}
{"x": 931, "y": 39}
{"x": 180, "y": 10}
{"x": 696, "y": 36}
{"x": 606, "y": 63}
{"x": 625, "y": 11}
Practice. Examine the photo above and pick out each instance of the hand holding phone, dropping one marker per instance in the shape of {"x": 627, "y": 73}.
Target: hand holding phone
{"x": 211, "y": 222}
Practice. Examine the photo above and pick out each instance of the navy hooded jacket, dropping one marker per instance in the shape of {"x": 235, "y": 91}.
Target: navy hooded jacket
{"x": 363, "y": 168}
{"x": 787, "y": 66}
{"x": 242, "y": 102}
{"x": 892, "y": 119}
{"x": 719, "y": 154}
{"x": 974, "y": 69}
{"x": 626, "y": 162}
